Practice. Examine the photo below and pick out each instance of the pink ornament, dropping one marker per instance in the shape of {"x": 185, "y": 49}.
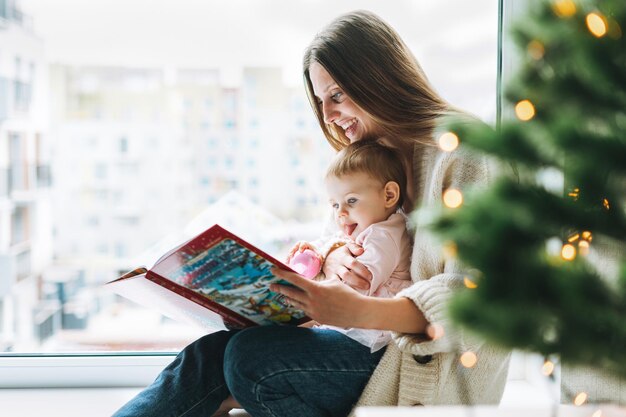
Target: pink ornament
{"x": 306, "y": 263}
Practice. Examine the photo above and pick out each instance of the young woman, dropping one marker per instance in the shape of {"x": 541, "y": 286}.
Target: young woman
{"x": 362, "y": 82}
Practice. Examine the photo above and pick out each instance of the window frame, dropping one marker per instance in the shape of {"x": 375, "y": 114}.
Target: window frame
{"x": 97, "y": 370}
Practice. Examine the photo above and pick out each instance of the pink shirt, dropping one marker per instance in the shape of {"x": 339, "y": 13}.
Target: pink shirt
{"x": 387, "y": 255}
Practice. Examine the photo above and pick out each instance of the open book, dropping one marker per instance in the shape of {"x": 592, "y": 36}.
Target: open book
{"x": 215, "y": 280}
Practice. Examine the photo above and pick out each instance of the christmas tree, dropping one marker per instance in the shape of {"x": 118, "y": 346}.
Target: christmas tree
{"x": 547, "y": 265}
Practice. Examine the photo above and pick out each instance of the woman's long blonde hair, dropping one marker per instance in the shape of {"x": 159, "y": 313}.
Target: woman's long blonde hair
{"x": 371, "y": 64}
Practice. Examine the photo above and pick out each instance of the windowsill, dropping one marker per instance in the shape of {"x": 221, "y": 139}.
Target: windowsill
{"x": 89, "y": 370}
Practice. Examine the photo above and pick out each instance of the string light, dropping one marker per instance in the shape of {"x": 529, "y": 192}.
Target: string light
{"x": 435, "y": 331}
{"x": 580, "y": 399}
{"x": 564, "y": 8}
{"x": 568, "y": 252}
{"x": 598, "y": 413}
{"x": 448, "y": 141}
{"x": 525, "y": 110}
{"x": 605, "y": 203}
{"x": 535, "y": 49}
{"x": 583, "y": 247}
{"x": 452, "y": 198}
{"x": 469, "y": 359}
{"x": 547, "y": 368}
{"x": 596, "y": 23}
{"x": 574, "y": 193}
{"x": 573, "y": 238}
{"x": 469, "y": 283}
{"x": 587, "y": 236}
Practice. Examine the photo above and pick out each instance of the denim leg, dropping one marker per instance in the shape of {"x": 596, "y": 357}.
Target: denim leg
{"x": 292, "y": 371}
{"x": 192, "y": 385}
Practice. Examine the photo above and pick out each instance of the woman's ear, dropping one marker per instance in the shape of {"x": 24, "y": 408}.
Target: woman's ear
{"x": 392, "y": 194}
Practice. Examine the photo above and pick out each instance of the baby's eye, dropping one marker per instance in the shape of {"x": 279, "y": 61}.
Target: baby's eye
{"x": 352, "y": 200}
{"x": 335, "y": 205}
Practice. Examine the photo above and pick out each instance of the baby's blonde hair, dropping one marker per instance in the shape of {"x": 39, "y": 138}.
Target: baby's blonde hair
{"x": 371, "y": 157}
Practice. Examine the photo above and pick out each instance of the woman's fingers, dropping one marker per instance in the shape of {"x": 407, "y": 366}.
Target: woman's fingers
{"x": 359, "y": 270}
{"x": 355, "y": 249}
{"x": 293, "y": 278}
{"x": 298, "y": 294}
{"x": 353, "y": 279}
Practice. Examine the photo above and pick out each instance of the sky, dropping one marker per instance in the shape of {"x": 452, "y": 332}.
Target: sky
{"x": 232, "y": 33}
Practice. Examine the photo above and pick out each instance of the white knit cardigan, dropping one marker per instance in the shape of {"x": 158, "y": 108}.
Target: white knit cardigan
{"x": 416, "y": 370}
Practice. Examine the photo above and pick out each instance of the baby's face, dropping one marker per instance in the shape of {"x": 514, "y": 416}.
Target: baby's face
{"x": 358, "y": 201}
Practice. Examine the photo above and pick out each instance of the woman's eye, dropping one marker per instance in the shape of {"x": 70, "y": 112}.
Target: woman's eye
{"x": 337, "y": 96}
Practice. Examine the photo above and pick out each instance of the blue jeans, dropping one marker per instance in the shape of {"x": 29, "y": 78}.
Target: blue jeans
{"x": 270, "y": 371}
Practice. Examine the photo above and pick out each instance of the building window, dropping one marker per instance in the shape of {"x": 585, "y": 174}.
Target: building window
{"x": 123, "y": 144}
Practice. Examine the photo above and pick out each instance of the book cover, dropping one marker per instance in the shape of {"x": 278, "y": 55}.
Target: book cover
{"x": 216, "y": 280}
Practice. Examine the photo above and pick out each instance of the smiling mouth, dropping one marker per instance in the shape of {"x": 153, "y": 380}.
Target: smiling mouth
{"x": 348, "y": 229}
{"x": 350, "y": 128}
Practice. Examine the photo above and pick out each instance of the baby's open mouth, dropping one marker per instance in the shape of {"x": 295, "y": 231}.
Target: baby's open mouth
{"x": 348, "y": 229}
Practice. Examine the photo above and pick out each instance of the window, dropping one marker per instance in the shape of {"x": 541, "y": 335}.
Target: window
{"x": 123, "y": 144}
{"x": 185, "y": 158}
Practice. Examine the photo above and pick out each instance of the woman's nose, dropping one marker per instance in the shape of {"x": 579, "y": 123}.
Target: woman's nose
{"x": 330, "y": 113}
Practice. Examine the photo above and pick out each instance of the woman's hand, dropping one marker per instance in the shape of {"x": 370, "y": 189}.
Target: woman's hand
{"x": 328, "y": 302}
{"x": 341, "y": 264}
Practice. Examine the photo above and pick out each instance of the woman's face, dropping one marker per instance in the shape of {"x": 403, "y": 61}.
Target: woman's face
{"x": 337, "y": 108}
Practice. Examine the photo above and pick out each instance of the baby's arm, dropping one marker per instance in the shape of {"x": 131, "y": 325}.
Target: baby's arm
{"x": 381, "y": 256}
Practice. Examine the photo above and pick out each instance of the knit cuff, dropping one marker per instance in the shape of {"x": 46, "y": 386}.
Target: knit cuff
{"x": 431, "y": 297}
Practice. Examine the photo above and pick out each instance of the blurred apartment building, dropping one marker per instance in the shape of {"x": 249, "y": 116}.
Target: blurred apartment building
{"x": 97, "y": 164}
{"x": 140, "y": 152}
{"x": 25, "y": 195}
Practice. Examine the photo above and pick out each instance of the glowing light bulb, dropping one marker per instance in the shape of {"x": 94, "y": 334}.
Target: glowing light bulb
{"x": 448, "y": 141}
{"x": 525, "y": 110}
{"x": 469, "y": 283}
{"x": 583, "y": 247}
{"x": 469, "y": 359}
{"x": 573, "y": 238}
{"x": 535, "y": 50}
{"x": 435, "y": 331}
{"x": 564, "y": 8}
{"x": 587, "y": 235}
{"x": 606, "y": 204}
{"x": 547, "y": 368}
{"x": 568, "y": 252}
{"x": 574, "y": 193}
{"x": 598, "y": 413}
{"x": 580, "y": 399}
{"x": 452, "y": 198}
{"x": 596, "y": 23}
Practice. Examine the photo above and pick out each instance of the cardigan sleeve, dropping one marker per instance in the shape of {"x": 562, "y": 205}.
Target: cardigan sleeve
{"x": 435, "y": 277}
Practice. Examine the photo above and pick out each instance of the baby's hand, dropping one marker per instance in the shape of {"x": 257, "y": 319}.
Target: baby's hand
{"x": 298, "y": 248}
